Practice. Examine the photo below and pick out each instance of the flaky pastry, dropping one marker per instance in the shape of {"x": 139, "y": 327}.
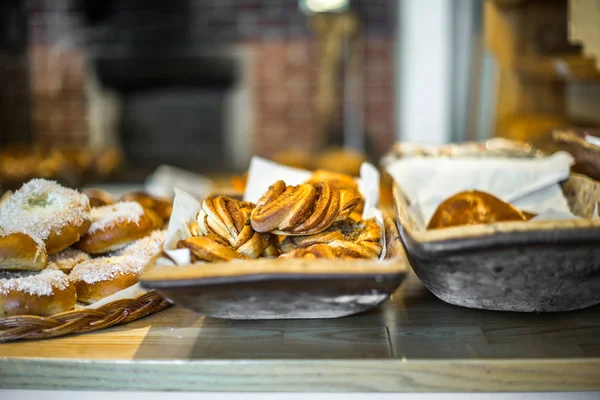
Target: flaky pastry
{"x": 347, "y": 239}
{"x": 302, "y": 210}
{"x": 229, "y": 219}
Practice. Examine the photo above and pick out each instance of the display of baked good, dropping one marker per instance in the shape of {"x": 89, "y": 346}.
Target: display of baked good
{"x": 474, "y": 207}
{"x": 115, "y": 226}
{"x": 46, "y": 210}
{"x": 43, "y": 215}
{"x": 303, "y": 209}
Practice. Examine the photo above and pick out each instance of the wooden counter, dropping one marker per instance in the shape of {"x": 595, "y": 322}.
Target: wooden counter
{"x": 414, "y": 342}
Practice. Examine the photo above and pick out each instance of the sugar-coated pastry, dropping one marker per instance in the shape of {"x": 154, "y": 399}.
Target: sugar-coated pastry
{"x": 230, "y": 220}
{"x": 98, "y": 197}
{"x": 471, "y": 208}
{"x": 49, "y": 211}
{"x": 162, "y": 206}
{"x": 101, "y": 277}
{"x": 19, "y": 251}
{"x": 146, "y": 247}
{"x": 43, "y": 293}
{"x": 115, "y": 226}
{"x": 67, "y": 259}
{"x": 302, "y": 210}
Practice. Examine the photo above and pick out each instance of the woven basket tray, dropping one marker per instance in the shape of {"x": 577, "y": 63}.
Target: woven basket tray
{"x": 81, "y": 321}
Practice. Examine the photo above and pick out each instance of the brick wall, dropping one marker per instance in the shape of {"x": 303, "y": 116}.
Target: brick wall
{"x": 284, "y": 70}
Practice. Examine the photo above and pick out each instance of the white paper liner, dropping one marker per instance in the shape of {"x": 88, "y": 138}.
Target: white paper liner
{"x": 529, "y": 184}
{"x": 130, "y": 293}
{"x": 593, "y": 140}
{"x": 262, "y": 173}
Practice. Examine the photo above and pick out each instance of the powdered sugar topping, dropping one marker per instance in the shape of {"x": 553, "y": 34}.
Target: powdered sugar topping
{"x": 145, "y": 248}
{"x": 41, "y": 207}
{"x": 109, "y": 216}
{"x": 42, "y": 283}
{"x": 106, "y": 268}
{"x": 67, "y": 259}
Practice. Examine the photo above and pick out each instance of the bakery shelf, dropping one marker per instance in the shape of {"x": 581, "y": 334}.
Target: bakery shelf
{"x": 413, "y": 343}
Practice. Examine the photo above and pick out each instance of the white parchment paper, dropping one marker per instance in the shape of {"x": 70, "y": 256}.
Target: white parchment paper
{"x": 529, "y": 184}
{"x": 593, "y": 140}
{"x": 261, "y": 174}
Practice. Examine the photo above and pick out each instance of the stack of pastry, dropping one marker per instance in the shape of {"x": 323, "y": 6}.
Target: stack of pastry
{"x": 316, "y": 219}
{"x": 56, "y": 250}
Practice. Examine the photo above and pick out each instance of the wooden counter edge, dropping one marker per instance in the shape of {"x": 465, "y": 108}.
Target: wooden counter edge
{"x": 511, "y": 375}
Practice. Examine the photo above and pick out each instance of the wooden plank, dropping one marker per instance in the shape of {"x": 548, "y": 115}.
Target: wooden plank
{"x": 306, "y": 376}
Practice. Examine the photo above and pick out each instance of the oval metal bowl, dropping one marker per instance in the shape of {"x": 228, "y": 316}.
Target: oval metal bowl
{"x": 536, "y": 266}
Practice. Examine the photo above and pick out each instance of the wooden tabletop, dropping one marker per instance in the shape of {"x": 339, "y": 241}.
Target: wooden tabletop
{"x": 414, "y": 342}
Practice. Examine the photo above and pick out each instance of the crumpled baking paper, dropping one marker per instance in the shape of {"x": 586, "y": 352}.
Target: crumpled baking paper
{"x": 529, "y": 184}
{"x": 263, "y": 173}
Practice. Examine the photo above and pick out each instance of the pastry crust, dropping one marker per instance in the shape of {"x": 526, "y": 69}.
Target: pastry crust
{"x": 19, "y": 251}
{"x": 115, "y": 226}
{"x": 41, "y": 293}
{"x": 471, "y": 208}
{"x": 305, "y": 209}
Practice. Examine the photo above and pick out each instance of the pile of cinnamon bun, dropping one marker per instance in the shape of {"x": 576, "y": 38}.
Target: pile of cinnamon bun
{"x": 56, "y": 249}
{"x": 320, "y": 218}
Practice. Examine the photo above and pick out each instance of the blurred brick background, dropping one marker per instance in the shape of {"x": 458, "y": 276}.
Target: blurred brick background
{"x": 60, "y": 34}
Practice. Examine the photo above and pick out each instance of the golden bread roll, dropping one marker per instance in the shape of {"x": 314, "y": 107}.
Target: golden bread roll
{"x": 43, "y": 293}
{"x": 115, "y": 226}
{"x": 471, "y": 208}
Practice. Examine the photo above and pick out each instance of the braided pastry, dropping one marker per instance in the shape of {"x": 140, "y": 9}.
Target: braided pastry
{"x": 346, "y": 239}
{"x": 305, "y": 209}
{"x": 342, "y": 182}
{"x": 229, "y": 219}
{"x": 210, "y": 248}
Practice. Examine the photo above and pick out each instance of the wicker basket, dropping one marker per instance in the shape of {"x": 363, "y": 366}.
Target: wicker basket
{"x": 81, "y": 321}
